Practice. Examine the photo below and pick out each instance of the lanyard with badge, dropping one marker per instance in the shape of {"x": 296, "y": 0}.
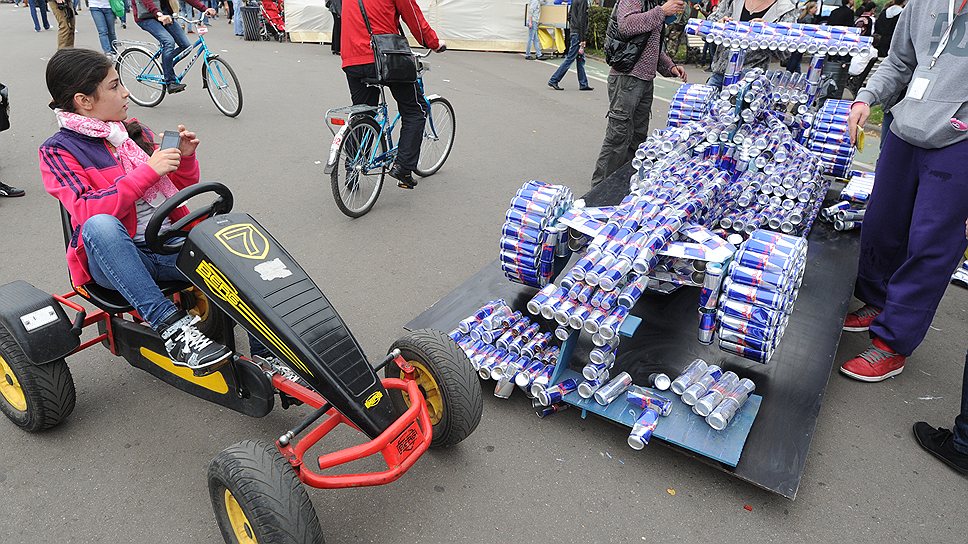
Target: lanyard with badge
{"x": 923, "y": 76}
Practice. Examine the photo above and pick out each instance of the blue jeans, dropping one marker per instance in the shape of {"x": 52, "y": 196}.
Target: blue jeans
{"x": 116, "y": 262}
{"x": 716, "y": 80}
{"x": 237, "y": 20}
{"x": 533, "y": 39}
{"x": 104, "y": 21}
{"x": 34, "y": 6}
{"x": 572, "y": 57}
{"x": 172, "y": 40}
{"x": 961, "y": 422}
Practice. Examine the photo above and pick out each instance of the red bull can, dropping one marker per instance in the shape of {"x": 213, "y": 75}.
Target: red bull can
{"x": 645, "y": 399}
{"x": 642, "y": 430}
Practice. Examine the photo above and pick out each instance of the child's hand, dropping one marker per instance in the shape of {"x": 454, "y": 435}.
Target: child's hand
{"x": 188, "y": 141}
{"x": 165, "y": 161}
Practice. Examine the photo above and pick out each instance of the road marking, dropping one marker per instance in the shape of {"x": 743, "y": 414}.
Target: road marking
{"x": 594, "y": 73}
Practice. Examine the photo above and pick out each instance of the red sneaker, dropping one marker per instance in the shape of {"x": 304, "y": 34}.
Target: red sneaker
{"x": 860, "y": 320}
{"x": 877, "y": 363}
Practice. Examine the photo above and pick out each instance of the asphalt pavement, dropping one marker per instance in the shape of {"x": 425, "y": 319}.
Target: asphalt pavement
{"x": 129, "y": 464}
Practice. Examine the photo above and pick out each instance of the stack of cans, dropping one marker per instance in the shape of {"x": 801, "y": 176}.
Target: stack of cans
{"x": 712, "y": 393}
{"x": 781, "y": 36}
{"x": 653, "y": 405}
{"x": 530, "y": 237}
{"x": 690, "y": 103}
{"x": 848, "y": 213}
{"x": 829, "y": 138}
{"x": 758, "y": 294}
{"x": 506, "y": 346}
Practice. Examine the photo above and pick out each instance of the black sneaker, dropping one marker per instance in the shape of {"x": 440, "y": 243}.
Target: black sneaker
{"x": 173, "y": 88}
{"x": 404, "y": 177}
{"x": 940, "y": 443}
{"x": 8, "y": 191}
{"x": 188, "y": 347}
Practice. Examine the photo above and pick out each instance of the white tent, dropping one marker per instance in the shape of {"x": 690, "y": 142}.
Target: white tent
{"x": 492, "y": 25}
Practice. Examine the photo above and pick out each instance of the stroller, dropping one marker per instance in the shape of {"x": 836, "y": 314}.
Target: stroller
{"x": 274, "y": 26}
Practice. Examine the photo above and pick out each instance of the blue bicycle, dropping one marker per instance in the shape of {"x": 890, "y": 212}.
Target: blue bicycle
{"x": 363, "y": 148}
{"x": 139, "y": 67}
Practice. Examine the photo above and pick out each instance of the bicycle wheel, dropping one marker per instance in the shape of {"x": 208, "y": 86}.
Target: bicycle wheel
{"x": 361, "y": 183}
{"x": 223, "y": 86}
{"x": 141, "y": 74}
{"x": 438, "y": 137}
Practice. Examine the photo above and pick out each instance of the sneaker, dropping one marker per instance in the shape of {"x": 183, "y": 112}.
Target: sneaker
{"x": 404, "y": 177}
{"x": 188, "y": 347}
{"x": 173, "y": 88}
{"x": 586, "y": 88}
{"x": 528, "y": 57}
{"x": 960, "y": 277}
{"x": 11, "y": 192}
{"x": 860, "y": 320}
{"x": 875, "y": 364}
{"x": 940, "y": 443}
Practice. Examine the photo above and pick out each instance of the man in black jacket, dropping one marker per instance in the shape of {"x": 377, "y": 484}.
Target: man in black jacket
{"x": 578, "y": 25}
{"x": 842, "y": 16}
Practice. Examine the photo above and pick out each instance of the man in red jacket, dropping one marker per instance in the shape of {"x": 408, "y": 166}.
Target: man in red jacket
{"x": 384, "y": 16}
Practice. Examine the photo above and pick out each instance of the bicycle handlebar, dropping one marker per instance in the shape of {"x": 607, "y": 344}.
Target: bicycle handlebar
{"x": 187, "y": 20}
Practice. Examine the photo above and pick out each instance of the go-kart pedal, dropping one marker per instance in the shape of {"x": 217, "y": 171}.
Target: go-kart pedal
{"x": 189, "y": 347}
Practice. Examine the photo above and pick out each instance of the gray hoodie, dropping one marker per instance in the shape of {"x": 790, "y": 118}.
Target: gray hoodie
{"x": 926, "y": 121}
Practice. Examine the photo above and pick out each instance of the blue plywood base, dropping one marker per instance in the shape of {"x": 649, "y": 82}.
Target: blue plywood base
{"x": 682, "y": 427}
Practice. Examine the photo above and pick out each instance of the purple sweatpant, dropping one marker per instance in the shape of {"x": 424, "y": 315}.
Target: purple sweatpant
{"x": 913, "y": 237}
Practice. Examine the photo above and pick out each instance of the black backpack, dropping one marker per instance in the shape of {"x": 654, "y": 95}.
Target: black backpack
{"x": 621, "y": 53}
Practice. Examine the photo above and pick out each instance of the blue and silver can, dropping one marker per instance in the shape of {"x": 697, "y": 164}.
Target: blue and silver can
{"x": 643, "y": 398}
{"x": 555, "y": 393}
{"x": 643, "y": 429}
{"x": 615, "y": 387}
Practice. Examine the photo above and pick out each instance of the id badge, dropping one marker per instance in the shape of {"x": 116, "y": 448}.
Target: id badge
{"x": 921, "y": 84}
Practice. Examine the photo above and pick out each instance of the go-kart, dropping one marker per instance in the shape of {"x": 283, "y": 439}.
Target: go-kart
{"x": 239, "y": 274}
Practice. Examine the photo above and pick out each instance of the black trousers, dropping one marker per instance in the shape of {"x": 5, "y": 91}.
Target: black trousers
{"x": 337, "y": 24}
{"x": 409, "y": 104}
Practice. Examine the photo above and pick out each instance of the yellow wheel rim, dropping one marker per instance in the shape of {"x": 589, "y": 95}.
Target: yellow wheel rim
{"x": 202, "y": 307}
{"x": 244, "y": 534}
{"x": 10, "y": 387}
{"x": 431, "y": 392}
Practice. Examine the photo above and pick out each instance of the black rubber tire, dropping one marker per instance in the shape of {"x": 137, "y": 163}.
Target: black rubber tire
{"x": 274, "y": 501}
{"x": 463, "y": 401}
{"x": 128, "y": 78}
{"x": 432, "y": 169}
{"x": 47, "y": 388}
{"x": 359, "y": 120}
{"x": 224, "y": 108}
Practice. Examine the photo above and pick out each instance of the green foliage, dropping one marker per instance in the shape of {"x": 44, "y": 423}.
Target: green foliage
{"x": 597, "y": 23}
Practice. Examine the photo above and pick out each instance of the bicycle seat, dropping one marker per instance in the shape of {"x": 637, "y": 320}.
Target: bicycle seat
{"x": 104, "y": 298}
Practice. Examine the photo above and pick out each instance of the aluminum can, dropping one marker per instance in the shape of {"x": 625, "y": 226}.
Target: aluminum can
{"x": 691, "y": 373}
{"x": 660, "y": 381}
{"x": 698, "y": 388}
{"x": 545, "y": 411}
{"x": 643, "y": 398}
{"x": 555, "y": 393}
{"x": 643, "y": 429}
{"x": 611, "y": 390}
{"x": 587, "y": 388}
{"x": 709, "y": 294}
{"x": 746, "y": 352}
{"x": 707, "y": 325}
{"x": 716, "y": 393}
{"x": 733, "y": 401}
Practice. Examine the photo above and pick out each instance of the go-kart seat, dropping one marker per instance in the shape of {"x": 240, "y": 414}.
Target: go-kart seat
{"x": 106, "y": 299}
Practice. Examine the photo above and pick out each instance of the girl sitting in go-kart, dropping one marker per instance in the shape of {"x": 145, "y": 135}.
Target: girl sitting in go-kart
{"x": 110, "y": 176}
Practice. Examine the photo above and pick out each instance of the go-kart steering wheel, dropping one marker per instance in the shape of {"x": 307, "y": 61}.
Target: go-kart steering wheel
{"x": 172, "y": 240}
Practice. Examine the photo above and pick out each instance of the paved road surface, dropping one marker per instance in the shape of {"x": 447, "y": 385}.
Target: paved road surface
{"x": 129, "y": 465}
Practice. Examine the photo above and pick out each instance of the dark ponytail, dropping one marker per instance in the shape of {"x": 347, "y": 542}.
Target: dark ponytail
{"x": 71, "y": 71}
{"x": 137, "y": 133}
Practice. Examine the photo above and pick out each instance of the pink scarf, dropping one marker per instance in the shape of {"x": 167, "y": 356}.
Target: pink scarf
{"x": 129, "y": 153}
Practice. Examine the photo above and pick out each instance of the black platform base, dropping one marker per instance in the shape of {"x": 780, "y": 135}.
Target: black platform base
{"x": 792, "y": 384}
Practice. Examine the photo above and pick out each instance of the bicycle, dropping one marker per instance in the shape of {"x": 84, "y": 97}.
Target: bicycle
{"x": 365, "y": 148}
{"x": 139, "y": 68}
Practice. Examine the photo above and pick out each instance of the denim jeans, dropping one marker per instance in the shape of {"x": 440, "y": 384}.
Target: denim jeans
{"x": 104, "y": 21}
{"x": 961, "y": 422}
{"x": 533, "y": 39}
{"x": 127, "y": 10}
{"x": 116, "y": 262}
{"x": 237, "y": 20}
{"x": 172, "y": 40}
{"x": 570, "y": 58}
{"x": 41, "y": 5}
{"x": 715, "y": 80}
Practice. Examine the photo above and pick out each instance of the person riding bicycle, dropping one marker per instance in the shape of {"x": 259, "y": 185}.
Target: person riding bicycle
{"x": 158, "y": 22}
{"x": 110, "y": 176}
{"x": 357, "y": 55}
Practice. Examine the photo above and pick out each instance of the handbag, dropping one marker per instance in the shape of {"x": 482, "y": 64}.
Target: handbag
{"x": 623, "y": 53}
{"x": 392, "y": 57}
{"x": 117, "y": 6}
{"x": 4, "y": 108}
